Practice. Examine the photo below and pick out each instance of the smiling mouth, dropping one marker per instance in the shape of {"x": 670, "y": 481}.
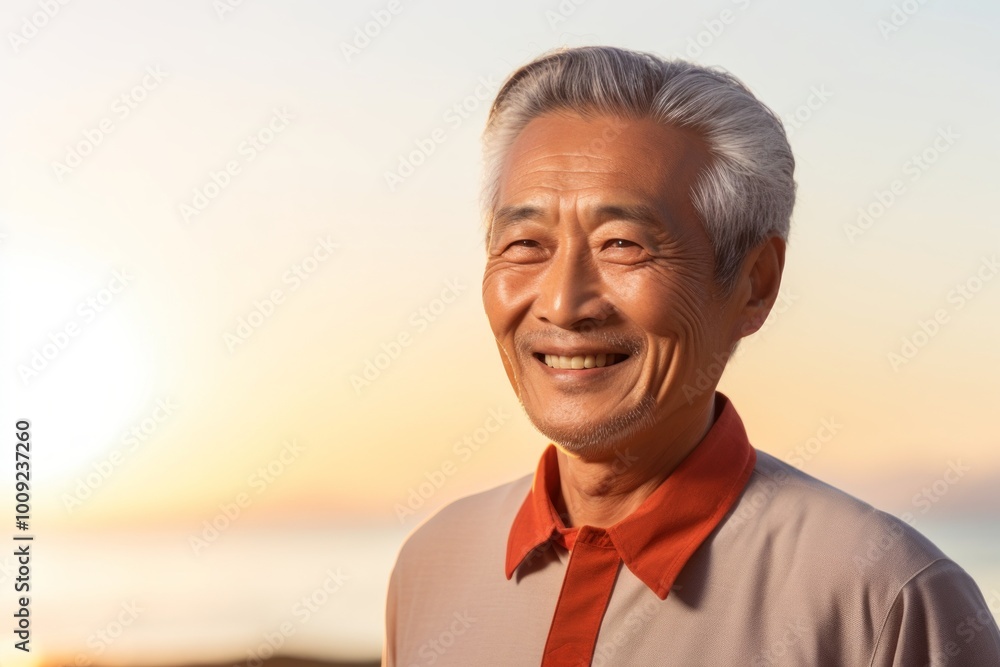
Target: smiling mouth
{"x": 582, "y": 361}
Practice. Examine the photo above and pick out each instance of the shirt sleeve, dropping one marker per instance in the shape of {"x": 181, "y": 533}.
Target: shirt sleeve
{"x": 939, "y": 617}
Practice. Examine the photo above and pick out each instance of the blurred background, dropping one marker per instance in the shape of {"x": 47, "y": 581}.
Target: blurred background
{"x": 241, "y": 257}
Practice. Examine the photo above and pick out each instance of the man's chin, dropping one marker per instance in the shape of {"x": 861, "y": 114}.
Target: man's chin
{"x": 598, "y": 437}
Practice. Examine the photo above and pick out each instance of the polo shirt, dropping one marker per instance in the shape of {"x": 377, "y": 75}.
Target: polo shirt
{"x": 736, "y": 558}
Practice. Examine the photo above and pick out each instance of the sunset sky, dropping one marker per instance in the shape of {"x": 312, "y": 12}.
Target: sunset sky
{"x": 241, "y": 261}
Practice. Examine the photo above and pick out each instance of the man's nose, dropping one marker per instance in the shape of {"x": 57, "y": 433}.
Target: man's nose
{"x": 570, "y": 292}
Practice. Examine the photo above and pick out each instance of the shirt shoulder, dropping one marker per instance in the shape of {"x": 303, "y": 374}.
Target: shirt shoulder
{"x": 822, "y": 538}
{"x": 822, "y": 519}
{"x": 478, "y": 522}
{"x": 882, "y": 592}
{"x": 938, "y": 615}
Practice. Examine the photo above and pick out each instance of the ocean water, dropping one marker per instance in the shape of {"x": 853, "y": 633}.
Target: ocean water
{"x": 139, "y": 598}
{"x": 317, "y": 591}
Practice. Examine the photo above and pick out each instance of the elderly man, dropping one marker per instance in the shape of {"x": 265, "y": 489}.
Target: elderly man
{"x": 637, "y": 213}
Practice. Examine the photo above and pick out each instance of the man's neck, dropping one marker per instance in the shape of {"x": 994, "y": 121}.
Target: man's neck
{"x": 602, "y": 493}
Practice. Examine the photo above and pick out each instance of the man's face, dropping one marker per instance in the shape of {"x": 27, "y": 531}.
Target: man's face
{"x": 599, "y": 284}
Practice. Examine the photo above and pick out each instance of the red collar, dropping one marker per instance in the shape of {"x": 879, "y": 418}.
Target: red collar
{"x": 658, "y": 538}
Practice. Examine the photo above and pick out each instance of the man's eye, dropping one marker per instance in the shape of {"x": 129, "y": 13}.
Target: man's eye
{"x": 619, "y": 243}
{"x": 524, "y": 243}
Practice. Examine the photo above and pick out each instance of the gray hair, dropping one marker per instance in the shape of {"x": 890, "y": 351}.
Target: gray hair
{"x": 747, "y": 192}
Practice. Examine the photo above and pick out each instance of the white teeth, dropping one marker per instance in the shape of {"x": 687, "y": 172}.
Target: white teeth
{"x": 579, "y": 362}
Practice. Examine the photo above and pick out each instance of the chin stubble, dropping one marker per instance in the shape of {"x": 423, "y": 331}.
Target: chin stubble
{"x": 589, "y": 439}
{"x": 600, "y": 440}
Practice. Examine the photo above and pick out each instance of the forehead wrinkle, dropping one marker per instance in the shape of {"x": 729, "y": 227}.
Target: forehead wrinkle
{"x": 525, "y": 162}
{"x": 542, "y": 175}
{"x": 571, "y": 157}
{"x": 556, "y": 154}
{"x": 545, "y": 186}
{"x": 527, "y": 172}
{"x": 562, "y": 179}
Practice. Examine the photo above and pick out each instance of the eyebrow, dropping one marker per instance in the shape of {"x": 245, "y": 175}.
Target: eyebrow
{"x": 638, "y": 213}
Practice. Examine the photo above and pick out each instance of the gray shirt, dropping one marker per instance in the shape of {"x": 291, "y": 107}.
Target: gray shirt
{"x": 796, "y": 573}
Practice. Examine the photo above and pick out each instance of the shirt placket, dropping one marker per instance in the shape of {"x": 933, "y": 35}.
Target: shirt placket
{"x": 590, "y": 577}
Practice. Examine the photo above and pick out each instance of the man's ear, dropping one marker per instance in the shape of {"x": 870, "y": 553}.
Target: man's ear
{"x": 757, "y": 290}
